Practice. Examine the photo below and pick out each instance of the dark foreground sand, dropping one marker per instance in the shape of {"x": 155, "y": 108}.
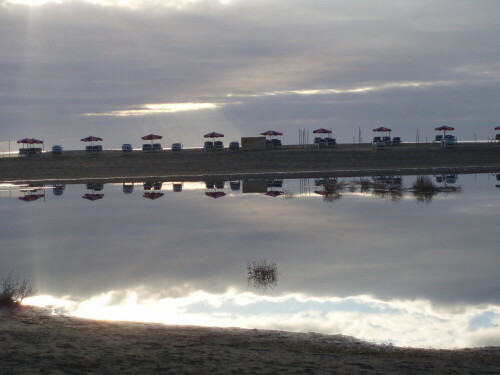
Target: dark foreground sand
{"x": 33, "y": 342}
{"x": 343, "y": 160}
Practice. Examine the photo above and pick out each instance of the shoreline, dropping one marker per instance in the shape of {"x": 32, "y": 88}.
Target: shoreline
{"x": 266, "y": 175}
{"x": 290, "y": 162}
{"x": 33, "y": 341}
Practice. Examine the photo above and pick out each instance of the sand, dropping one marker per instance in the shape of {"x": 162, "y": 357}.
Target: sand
{"x": 34, "y": 342}
{"x": 189, "y": 165}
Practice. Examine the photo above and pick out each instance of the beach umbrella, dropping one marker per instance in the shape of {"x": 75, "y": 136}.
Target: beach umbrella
{"x": 91, "y": 138}
{"x": 382, "y": 130}
{"x": 213, "y": 135}
{"x": 93, "y": 197}
{"x": 215, "y": 194}
{"x": 153, "y": 195}
{"x": 151, "y": 137}
{"x": 31, "y": 197}
{"x": 274, "y": 193}
{"x": 322, "y": 131}
{"x": 30, "y": 141}
{"x": 271, "y": 133}
{"x": 444, "y": 128}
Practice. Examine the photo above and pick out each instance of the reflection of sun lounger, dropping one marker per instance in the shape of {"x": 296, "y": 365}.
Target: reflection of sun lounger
{"x": 58, "y": 189}
{"x": 96, "y": 186}
{"x": 235, "y": 185}
{"x": 128, "y": 187}
{"x": 148, "y": 185}
{"x": 275, "y": 182}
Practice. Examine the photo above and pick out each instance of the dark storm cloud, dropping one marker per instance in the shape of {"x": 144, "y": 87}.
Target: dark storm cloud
{"x": 60, "y": 61}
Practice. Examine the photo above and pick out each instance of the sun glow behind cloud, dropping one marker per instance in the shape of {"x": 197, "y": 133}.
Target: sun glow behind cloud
{"x": 157, "y": 108}
{"x": 414, "y": 323}
{"x": 355, "y": 90}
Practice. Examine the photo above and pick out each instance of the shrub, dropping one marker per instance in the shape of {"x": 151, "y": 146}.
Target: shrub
{"x": 13, "y": 291}
{"x": 262, "y": 274}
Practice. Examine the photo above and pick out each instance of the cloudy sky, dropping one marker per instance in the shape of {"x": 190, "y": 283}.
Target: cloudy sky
{"x": 120, "y": 69}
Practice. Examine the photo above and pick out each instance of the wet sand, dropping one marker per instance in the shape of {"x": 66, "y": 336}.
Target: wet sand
{"x": 343, "y": 160}
{"x": 34, "y": 342}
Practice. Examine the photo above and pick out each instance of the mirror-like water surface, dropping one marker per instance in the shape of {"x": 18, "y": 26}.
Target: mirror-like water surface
{"x": 402, "y": 260}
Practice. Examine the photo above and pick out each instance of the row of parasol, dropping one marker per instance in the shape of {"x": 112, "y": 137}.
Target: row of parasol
{"x": 213, "y": 135}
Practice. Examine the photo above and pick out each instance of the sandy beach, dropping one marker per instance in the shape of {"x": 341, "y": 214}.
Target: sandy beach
{"x": 34, "y": 342}
{"x": 343, "y": 160}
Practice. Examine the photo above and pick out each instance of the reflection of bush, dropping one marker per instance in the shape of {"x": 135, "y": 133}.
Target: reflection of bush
{"x": 424, "y": 189}
{"x": 364, "y": 185}
{"x": 333, "y": 190}
{"x": 262, "y": 274}
{"x": 388, "y": 191}
{"x": 288, "y": 194}
{"x": 14, "y": 291}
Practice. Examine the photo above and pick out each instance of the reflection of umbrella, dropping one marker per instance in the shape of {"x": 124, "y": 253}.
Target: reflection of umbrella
{"x": 213, "y": 135}
{"x": 93, "y": 197}
{"x": 274, "y": 193}
{"x": 271, "y": 133}
{"x": 497, "y": 128}
{"x": 215, "y": 194}
{"x": 153, "y": 195}
{"x": 91, "y": 138}
{"x": 31, "y": 197}
{"x": 151, "y": 137}
{"x": 322, "y": 131}
{"x": 444, "y": 129}
{"x": 383, "y": 130}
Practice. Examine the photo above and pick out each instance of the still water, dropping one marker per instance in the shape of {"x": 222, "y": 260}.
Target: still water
{"x": 366, "y": 257}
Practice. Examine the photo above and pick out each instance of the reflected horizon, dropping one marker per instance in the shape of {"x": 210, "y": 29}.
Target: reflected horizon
{"x": 371, "y": 257}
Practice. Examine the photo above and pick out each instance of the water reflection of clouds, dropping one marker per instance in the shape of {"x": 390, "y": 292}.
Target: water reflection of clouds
{"x": 442, "y": 253}
{"x": 400, "y": 322}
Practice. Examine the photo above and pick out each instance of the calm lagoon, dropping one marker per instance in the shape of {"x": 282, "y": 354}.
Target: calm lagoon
{"x": 365, "y": 257}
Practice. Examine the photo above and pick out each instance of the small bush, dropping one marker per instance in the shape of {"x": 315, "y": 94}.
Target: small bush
{"x": 262, "y": 274}
{"x": 13, "y": 291}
